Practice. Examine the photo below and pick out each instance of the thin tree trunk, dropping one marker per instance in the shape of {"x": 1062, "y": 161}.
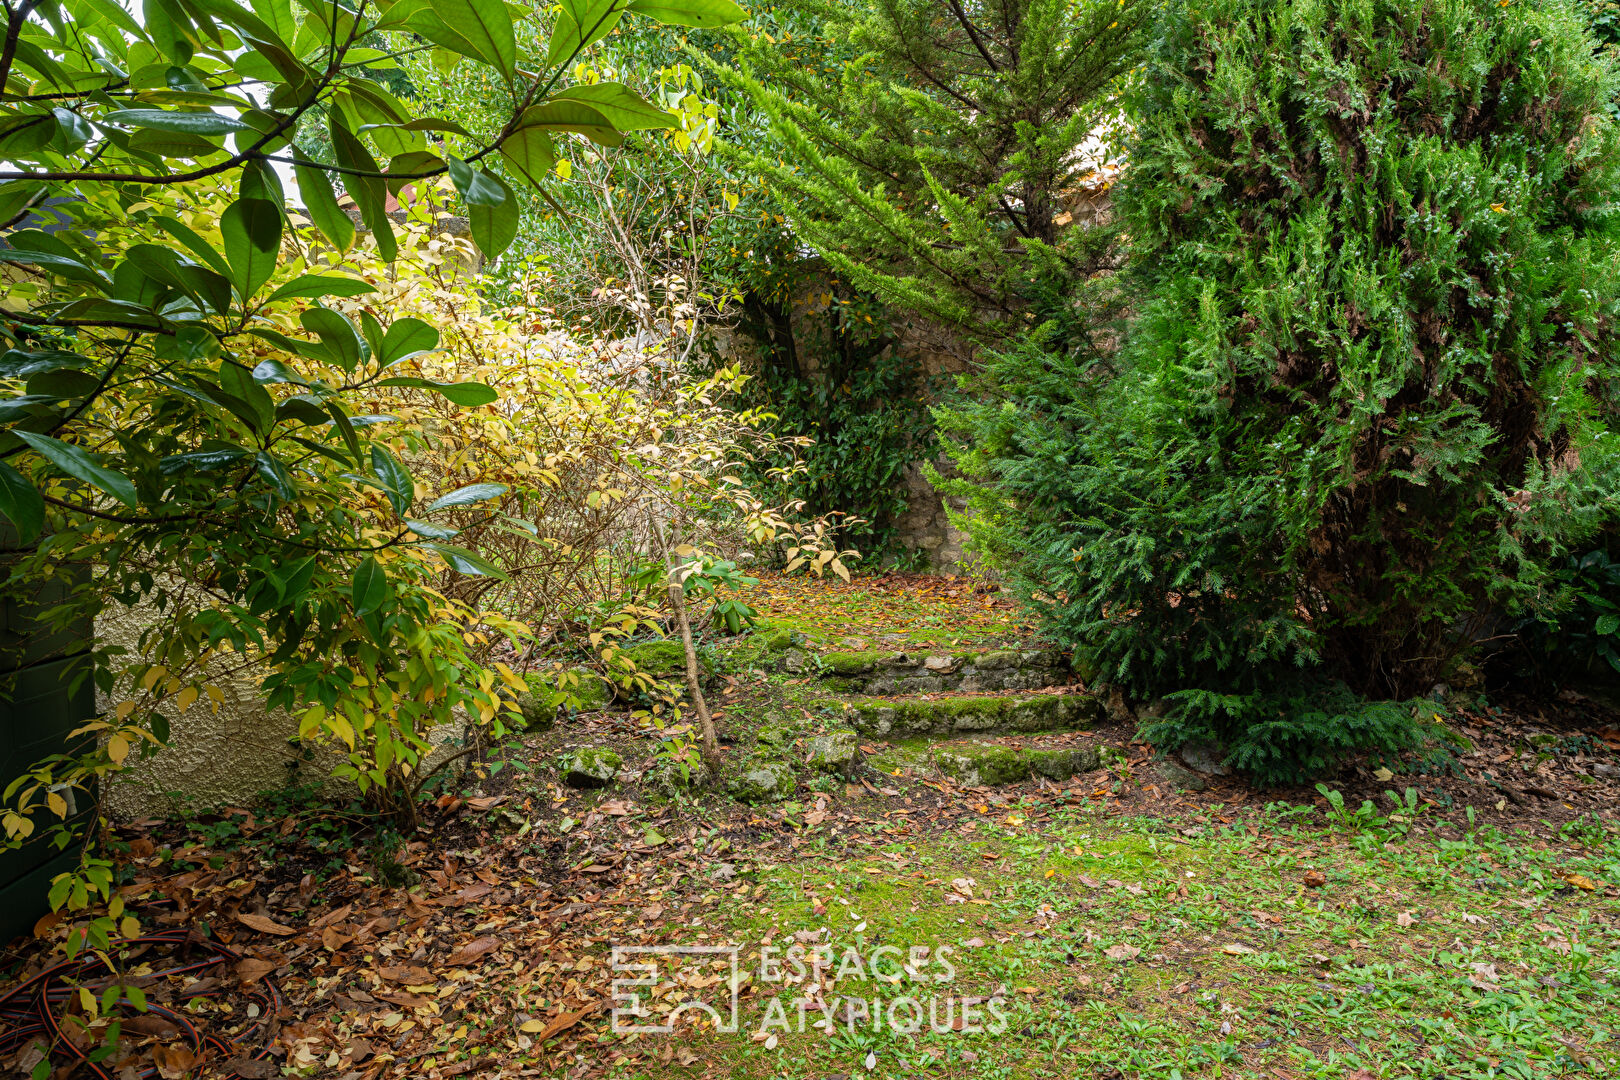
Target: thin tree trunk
{"x": 677, "y": 600}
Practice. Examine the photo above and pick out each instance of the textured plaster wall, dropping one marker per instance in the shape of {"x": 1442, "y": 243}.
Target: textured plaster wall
{"x": 222, "y": 758}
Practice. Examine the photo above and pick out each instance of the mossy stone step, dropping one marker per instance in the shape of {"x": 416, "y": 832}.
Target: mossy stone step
{"x": 878, "y": 671}
{"x": 988, "y": 763}
{"x": 975, "y": 714}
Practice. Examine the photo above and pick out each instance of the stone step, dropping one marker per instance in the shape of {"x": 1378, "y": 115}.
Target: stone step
{"x": 949, "y": 716}
{"x": 927, "y": 671}
{"x": 988, "y": 762}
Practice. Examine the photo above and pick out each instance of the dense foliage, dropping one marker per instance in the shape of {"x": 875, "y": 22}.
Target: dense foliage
{"x": 1365, "y": 402}
{"x": 213, "y": 405}
{"x": 828, "y": 365}
{"x": 930, "y": 152}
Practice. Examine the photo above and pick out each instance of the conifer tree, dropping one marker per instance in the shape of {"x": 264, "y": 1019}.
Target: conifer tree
{"x": 1368, "y": 396}
{"x": 926, "y": 146}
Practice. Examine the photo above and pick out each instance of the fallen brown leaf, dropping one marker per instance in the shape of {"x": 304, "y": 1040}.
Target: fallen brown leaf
{"x": 472, "y": 951}
{"x": 264, "y": 925}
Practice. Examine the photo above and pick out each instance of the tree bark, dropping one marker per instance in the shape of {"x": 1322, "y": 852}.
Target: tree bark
{"x": 677, "y": 600}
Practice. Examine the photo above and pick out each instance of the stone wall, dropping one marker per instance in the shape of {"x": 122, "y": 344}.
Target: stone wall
{"x": 218, "y": 756}
{"x": 941, "y": 354}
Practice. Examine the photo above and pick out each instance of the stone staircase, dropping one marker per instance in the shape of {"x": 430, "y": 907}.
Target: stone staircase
{"x": 974, "y": 718}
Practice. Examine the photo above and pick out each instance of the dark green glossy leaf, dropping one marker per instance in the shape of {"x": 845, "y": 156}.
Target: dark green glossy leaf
{"x": 276, "y": 473}
{"x": 21, "y": 503}
{"x": 185, "y": 123}
{"x": 370, "y": 586}
{"x": 365, "y": 186}
{"x": 477, "y": 187}
{"x": 322, "y": 285}
{"x": 466, "y": 562}
{"x": 431, "y": 532}
{"x": 322, "y": 206}
{"x": 240, "y": 384}
{"x": 252, "y": 234}
{"x": 395, "y": 478}
{"x": 201, "y": 461}
{"x": 494, "y": 226}
{"x": 466, "y": 496}
{"x": 77, "y": 463}
{"x": 468, "y": 394}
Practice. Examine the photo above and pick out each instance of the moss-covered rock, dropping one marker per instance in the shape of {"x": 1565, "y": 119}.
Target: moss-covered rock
{"x": 775, "y": 736}
{"x": 661, "y": 658}
{"x": 877, "y": 671}
{"x": 989, "y": 764}
{"x": 589, "y": 767}
{"x": 852, "y": 663}
{"x": 777, "y": 638}
{"x": 759, "y": 781}
{"x": 956, "y": 715}
{"x": 545, "y": 699}
{"x": 668, "y": 778}
{"x": 836, "y": 752}
{"x": 795, "y": 661}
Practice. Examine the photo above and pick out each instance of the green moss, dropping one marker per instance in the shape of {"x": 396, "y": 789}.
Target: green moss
{"x": 578, "y": 690}
{"x": 836, "y": 752}
{"x": 777, "y": 638}
{"x": 589, "y": 767}
{"x": 760, "y": 781}
{"x": 854, "y": 663}
{"x": 981, "y": 713}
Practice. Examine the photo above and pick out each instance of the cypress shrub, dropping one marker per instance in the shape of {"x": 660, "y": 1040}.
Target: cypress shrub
{"x": 1364, "y": 404}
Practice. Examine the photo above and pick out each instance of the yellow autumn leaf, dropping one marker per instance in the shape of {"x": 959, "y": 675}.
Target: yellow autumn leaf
{"x": 118, "y": 749}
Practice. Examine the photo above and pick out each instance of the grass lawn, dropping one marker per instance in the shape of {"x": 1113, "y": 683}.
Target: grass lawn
{"x": 1260, "y": 946}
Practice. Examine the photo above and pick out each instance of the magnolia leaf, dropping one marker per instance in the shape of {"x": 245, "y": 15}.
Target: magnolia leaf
{"x": 466, "y": 562}
{"x": 466, "y": 496}
{"x": 487, "y": 25}
{"x": 322, "y": 205}
{"x": 430, "y": 532}
{"x": 621, "y": 106}
{"x": 469, "y": 395}
{"x": 78, "y": 464}
{"x": 494, "y": 226}
{"x": 336, "y": 333}
{"x": 251, "y": 229}
{"x": 690, "y": 12}
{"x": 407, "y": 338}
{"x": 396, "y": 479}
{"x": 477, "y": 187}
{"x": 322, "y": 285}
{"x": 21, "y": 503}
{"x": 276, "y": 473}
{"x": 580, "y": 24}
{"x": 370, "y": 586}
{"x": 529, "y": 150}
{"x": 365, "y": 185}
{"x": 573, "y": 116}
{"x": 186, "y": 123}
